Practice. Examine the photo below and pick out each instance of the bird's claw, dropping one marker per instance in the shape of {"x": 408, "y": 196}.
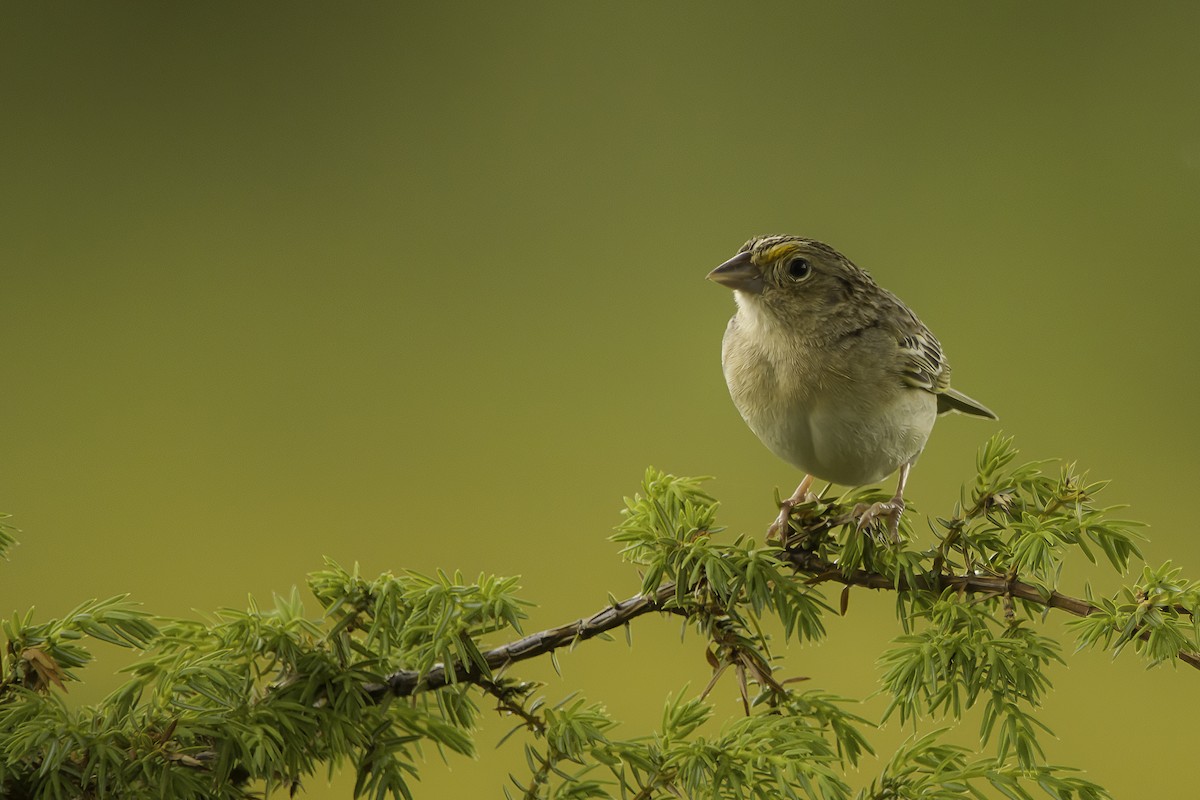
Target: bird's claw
{"x": 889, "y": 509}
{"x": 781, "y": 526}
{"x": 780, "y": 529}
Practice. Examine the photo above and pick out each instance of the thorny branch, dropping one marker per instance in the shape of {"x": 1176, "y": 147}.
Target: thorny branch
{"x": 821, "y": 570}
{"x": 408, "y": 682}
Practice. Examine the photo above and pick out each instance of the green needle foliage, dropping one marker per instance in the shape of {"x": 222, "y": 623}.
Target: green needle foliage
{"x": 252, "y": 702}
{"x": 7, "y": 539}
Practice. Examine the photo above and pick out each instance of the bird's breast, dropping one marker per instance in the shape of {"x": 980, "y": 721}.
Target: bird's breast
{"x": 840, "y": 425}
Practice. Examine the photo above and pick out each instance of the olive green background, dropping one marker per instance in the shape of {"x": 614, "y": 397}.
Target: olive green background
{"x": 421, "y": 286}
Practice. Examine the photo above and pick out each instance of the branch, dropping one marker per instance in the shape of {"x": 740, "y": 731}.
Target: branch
{"x": 409, "y": 682}
{"x": 811, "y": 564}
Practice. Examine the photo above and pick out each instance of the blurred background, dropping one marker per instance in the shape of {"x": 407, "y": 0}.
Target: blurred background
{"x": 422, "y": 286}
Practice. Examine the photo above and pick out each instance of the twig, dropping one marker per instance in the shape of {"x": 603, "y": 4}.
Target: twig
{"x": 504, "y": 702}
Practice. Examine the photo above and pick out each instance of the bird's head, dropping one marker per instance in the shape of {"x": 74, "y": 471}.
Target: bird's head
{"x": 790, "y": 279}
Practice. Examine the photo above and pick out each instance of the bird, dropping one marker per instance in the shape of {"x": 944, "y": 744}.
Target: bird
{"x": 832, "y": 372}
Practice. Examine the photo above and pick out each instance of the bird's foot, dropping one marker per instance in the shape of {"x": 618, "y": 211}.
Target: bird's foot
{"x": 889, "y": 509}
{"x": 781, "y": 528}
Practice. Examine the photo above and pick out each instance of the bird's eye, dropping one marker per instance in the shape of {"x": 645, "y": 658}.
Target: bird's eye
{"x": 799, "y": 269}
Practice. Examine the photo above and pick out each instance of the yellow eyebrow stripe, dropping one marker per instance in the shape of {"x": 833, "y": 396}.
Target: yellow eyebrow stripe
{"x": 777, "y": 252}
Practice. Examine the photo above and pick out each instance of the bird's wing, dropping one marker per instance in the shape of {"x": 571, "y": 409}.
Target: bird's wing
{"x": 922, "y": 364}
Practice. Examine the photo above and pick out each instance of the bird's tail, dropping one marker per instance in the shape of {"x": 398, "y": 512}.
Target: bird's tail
{"x": 952, "y": 400}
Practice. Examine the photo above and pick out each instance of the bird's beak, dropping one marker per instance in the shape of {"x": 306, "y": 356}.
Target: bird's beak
{"x": 739, "y": 273}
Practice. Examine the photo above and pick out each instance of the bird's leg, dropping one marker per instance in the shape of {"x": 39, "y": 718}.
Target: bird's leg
{"x": 780, "y": 527}
{"x": 892, "y": 509}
